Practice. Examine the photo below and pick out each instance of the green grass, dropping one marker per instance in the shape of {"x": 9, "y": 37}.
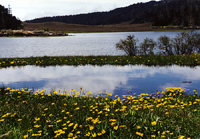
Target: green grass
{"x": 25, "y": 113}
{"x": 188, "y": 60}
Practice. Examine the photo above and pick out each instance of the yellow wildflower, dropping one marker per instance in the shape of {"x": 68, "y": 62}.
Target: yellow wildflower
{"x": 153, "y": 123}
{"x": 116, "y": 127}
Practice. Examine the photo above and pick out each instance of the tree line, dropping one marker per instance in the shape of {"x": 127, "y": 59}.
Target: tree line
{"x": 119, "y": 15}
{"x": 8, "y": 21}
{"x": 160, "y": 13}
{"x": 184, "y": 43}
{"x": 177, "y": 12}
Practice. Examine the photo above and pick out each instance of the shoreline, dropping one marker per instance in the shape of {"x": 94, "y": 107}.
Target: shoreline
{"x": 27, "y": 33}
{"x": 52, "y": 29}
{"x": 76, "y": 28}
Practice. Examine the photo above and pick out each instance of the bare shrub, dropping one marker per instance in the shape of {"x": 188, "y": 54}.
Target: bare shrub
{"x": 164, "y": 44}
{"x": 186, "y": 43}
{"x": 128, "y": 45}
{"x": 147, "y": 46}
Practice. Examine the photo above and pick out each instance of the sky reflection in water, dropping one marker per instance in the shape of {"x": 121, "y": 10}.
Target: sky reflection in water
{"x": 117, "y": 80}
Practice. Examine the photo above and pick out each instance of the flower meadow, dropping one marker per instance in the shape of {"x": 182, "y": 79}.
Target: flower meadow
{"x": 149, "y": 60}
{"x": 25, "y": 113}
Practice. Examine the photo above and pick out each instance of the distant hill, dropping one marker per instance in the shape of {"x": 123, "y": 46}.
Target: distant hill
{"x": 115, "y": 16}
{"x": 160, "y": 13}
{"x": 7, "y": 20}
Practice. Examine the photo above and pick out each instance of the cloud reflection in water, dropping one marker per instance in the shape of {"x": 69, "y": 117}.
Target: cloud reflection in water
{"x": 112, "y": 79}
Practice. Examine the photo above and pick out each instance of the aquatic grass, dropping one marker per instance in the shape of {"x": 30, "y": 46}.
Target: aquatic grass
{"x": 188, "y": 60}
{"x": 24, "y": 113}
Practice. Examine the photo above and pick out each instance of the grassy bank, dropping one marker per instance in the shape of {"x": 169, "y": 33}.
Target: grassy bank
{"x": 188, "y": 60}
{"x": 77, "y": 28}
{"x": 32, "y": 114}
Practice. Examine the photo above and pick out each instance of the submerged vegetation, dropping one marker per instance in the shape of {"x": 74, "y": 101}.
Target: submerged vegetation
{"x": 189, "y": 60}
{"x": 25, "y": 113}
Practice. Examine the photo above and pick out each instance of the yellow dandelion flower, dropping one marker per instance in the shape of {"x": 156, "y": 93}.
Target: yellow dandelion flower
{"x": 153, "y": 136}
{"x": 122, "y": 126}
{"x": 94, "y": 135}
{"x": 71, "y": 124}
{"x": 138, "y": 127}
{"x": 140, "y": 134}
{"x": 153, "y": 123}
{"x": 115, "y": 127}
{"x": 88, "y": 134}
{"x": 19, "y": 119}
{"x": 37, "y": 119}
{"x": 181, "y": 137}
{"x": 50, "y": 125}
{"x": 2, "y": 120}
{"x": 91, "y": 127}
{"x": 26, "y": 136}
{"x": 37, "y": 126}
{"x": 45, "y": 109}
{"x": 112, "y": 120}
{"x": 40, "y": 131}
{"x": 75, "y": 103}
{"x": 75, "y": 126}
{"x": 70, "y": 135}
{"x": 103, "y": 131}
{"x": 166, "y": 113}
{"x": 58, "y": 121}
{"x": 63, "y": 111}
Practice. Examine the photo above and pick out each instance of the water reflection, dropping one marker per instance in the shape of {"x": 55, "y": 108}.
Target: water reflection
{"x": 112, "y": 79}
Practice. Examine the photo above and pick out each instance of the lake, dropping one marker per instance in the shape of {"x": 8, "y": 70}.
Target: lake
{"x": 112, "y": 79}
{"x": 117, "y": 80}
{"x": 77, "y": 44}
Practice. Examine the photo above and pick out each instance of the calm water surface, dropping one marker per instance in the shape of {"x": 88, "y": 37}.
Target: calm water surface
{"x": 112, "y": 79}
{"x": 78, "y": 44}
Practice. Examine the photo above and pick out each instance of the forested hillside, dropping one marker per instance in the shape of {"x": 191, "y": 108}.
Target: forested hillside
{"x": 177, "y": 12}
{"x": 160, "y": 13}
{"x": 7, "y": 21}
{"x": 115, "y": 16}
